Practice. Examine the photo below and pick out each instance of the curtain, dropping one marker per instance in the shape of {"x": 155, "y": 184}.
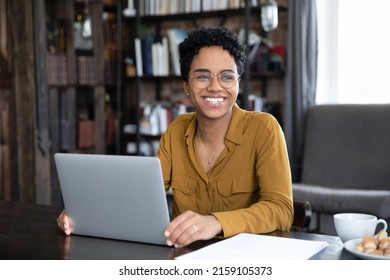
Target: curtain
{"x": 301, "y": 76}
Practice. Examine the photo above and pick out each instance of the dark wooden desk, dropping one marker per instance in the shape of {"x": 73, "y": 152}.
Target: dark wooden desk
{"x": 29, "y": 231}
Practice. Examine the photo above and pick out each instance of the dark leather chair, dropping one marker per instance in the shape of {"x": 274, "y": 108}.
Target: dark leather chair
{"x": 302, "y": 216}
{"x": 346, "y": 161}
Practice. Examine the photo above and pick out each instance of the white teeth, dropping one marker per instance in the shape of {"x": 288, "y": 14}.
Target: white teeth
{"x": 214, "y": 100}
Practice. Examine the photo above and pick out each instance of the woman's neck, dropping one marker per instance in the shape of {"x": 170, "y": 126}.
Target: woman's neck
{"x": 213, "y": 131}
{"x": 210, "y": 141}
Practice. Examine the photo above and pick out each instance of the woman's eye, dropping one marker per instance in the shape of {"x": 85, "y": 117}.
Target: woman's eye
{"x": 227, "y": 77}
{"x": 203, "y": 77}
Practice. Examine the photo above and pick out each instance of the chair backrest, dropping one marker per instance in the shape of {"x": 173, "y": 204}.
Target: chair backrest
{"x": 302, "y": 215}
{"x": 347, "y": 145}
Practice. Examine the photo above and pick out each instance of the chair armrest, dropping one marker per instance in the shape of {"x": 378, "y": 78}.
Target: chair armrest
{"x": 302, "y": 215}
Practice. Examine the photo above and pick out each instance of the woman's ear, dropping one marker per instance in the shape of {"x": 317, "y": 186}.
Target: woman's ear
{"x": 185, "y": 87}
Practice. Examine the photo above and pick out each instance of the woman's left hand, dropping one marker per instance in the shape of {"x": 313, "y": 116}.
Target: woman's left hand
{"x": 189, "y": 227}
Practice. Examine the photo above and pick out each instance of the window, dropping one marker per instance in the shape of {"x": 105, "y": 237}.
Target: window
{"x": 353, "y": 51}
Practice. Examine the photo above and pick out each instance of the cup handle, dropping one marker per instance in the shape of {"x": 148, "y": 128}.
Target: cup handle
{"x": 381, "y": 221}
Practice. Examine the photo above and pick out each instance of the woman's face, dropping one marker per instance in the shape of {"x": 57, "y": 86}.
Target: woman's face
{"x": 213, "y": 100}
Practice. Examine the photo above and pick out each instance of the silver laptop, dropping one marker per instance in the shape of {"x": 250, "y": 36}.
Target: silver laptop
{"x": 118, "y": 197}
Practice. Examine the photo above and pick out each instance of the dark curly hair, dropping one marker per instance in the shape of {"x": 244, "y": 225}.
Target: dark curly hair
{"x": 207, "y": 37}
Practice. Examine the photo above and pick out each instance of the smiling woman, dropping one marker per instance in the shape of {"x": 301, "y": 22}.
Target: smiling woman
{"x": 228, "y": 168}
{"x": 353, "y": 51}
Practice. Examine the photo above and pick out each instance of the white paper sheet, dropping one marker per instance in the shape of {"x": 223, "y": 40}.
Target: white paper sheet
{"x": 247, "y": 246}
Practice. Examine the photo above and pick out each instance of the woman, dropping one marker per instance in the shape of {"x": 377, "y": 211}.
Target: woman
{"x": 228, "y": 168}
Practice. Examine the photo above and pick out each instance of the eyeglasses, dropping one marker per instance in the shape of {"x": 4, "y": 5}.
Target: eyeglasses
{"x": 227, "y": 79}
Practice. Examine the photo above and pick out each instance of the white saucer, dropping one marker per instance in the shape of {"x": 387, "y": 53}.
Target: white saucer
{"x": 350, "y": 247}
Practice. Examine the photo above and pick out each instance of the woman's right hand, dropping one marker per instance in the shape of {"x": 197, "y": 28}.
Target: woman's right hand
{"x": 63, "y": 222}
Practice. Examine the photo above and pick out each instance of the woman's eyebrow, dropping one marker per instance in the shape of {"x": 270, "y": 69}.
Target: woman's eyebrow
{"x": 207, "y": 70}
{"x": 202, "y": 70}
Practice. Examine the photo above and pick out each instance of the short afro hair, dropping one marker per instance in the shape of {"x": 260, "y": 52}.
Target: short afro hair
{"x": 208, "y": 37}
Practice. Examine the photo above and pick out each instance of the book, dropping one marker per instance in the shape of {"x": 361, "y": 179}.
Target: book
{"x": 256, "y": 103}
{"x": 155, "y": 59}
{"x": 87, "y": 70}
{"x": 175, "y": 37}
{"x": 138, "y": 57}
{"x": 147, "y": 57}
{"x": 56, "y": 69}
{"x": 160, "y": 58}
{"x": 86, "y": 133}
{"x": 165, "y": 56}
{"x": 65, "y": 127}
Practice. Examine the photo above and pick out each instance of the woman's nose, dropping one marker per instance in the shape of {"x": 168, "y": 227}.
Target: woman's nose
{"x": 214, "y": 83}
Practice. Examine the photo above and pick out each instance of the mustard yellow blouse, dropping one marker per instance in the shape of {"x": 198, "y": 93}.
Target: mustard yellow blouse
{"x": 249, "y": 187}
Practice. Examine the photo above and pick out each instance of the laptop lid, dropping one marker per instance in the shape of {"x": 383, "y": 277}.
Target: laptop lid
{"x": 111, "y": 196}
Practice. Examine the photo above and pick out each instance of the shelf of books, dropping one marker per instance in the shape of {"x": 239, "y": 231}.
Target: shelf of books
{"x": 81, "y": 64}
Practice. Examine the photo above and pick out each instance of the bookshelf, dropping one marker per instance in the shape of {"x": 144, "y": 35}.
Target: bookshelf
{"x": 163, "y": 92}
{"x": 79, "y": 77}
{"x": 81, "y": 74}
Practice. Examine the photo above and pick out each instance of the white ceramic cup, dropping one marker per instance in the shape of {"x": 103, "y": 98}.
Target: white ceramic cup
{"x": 355, "y": 225}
